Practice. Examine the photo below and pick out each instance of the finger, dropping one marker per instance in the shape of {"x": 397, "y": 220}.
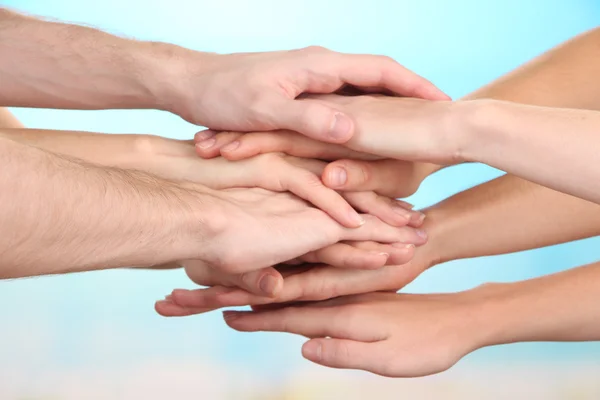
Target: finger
{"x": 388, "y": 210}
{"x": 216, "y": 297}
{"x": 343, "y": 353}
{"x": 306, "y": 321}
{"x": 309, "y": 187}
{"x": 291, "y": 143}
{"x": 209, "y": 145}
{"x": 384, "y": 72}
{"x": 342, "y": 255}
{"x": 376, "y": 230}
{"x": 400, "y": 253}
{"x": 391, "y": 178}
{"x": 313, "y": 119}
{"x": 167, "y": 308}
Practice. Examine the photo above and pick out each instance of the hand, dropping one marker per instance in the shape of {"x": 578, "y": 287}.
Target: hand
{"x": 252, "y": 230}
{"x": 398, "y": 128}
{"x": 359, "y": 171}
{"x": 175, "y": 159}
{"x": 303, "y": 282}
{"x": 395, "y": 335}
{"x": 257, "y": 91}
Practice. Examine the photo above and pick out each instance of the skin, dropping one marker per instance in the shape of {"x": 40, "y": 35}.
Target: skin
{"x": 520, "y": 214}
{"x": 83, "y": 68}
{"x": 410, "y": 335}
{"x": 122, "y": 217}
{"x": 174, "y": 159}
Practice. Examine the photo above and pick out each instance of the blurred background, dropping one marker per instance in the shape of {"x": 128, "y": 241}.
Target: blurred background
{"x": 96, "y": 335}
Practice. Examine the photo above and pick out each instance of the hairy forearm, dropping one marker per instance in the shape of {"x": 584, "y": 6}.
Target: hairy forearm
{"x": 557, "y": 307}
{"x": 55, "y": 65}
{"x": 60, "y": 215}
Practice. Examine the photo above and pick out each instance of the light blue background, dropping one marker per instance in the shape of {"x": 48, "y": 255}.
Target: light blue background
{"x": 62, "y": 322}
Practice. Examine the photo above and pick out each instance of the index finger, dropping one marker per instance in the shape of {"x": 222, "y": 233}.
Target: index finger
{"x": 288, "y": 142}
{"x": 335, "y": 321}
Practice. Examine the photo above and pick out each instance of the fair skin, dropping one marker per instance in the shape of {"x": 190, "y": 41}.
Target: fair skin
{"x": 121, "y": 217}
{"x": 410, "y": 335}
{"x": 174, "y": 159}
{"x": 83, "y": 68}
{"x": 524, "y": 140}
{"x": 519, "y": 214}
{"x": 55, "y": 65}
{"x": 465, "y": 134}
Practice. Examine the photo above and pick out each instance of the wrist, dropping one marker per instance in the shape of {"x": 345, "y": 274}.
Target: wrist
{"x": 170, "y": 69}
{"x": 199, "y": 218}
{"x": 478, "y": 121}
{"x": 485, "y": 315}
{"x": 435, "y": 251}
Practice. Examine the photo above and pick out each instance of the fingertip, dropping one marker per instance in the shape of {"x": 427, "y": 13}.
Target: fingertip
{"x": 203, "y": 135}
{"x": 312, "y": 350}
{"x": 335, "y": 176}
{"x": 271, "y": 284}
{"x": 341, "y": 128}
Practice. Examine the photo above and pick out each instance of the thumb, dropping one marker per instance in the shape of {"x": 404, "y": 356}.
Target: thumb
{"x": 263, "y": 282}
{"x": 315, "y": 120}
{"x": 341, "y": 353}
{"x": 391, "y": 178}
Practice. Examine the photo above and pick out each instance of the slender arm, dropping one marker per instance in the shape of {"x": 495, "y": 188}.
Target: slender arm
{"x": 557, "y": 307}
{"x": 520, "y": 214}
{"x": 506, "y": 215}
{"x": 59, "y": 215}
{"x": 557, "y": 148}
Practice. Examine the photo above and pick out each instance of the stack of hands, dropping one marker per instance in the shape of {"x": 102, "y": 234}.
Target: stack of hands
{"x": 288, "y": 203}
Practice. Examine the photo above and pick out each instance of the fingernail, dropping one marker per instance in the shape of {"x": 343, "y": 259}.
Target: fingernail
{"x": 356, "y": 218}
{"x": 200, "y": 136}
{"x": 409, "y": 246}
{"x": 341, "y": 127}
{"x": 338, "y": 176}
{"x": 230, "y": 315}
{"x": 231, "y": 146}
{"x": 169, "y": 298}
{"x": 420, "y": 218}
{"x": 206, "y": 144}
{"x": 312, "y": 351}
{"x": 421, "y": 233}
{"x": 268, "y": 284}
{"x": 404, "y": 213}
{"x": 376, "y": 253}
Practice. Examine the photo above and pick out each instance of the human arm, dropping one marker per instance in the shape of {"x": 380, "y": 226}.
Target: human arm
{"x": 406, "y": 335}
{"x": 502, "y": 216}
{"x": 8, "y": 120}
{"x": 562, "y": 77}
{"x": 55, "y": 65}
{"x": 60, "y": 215}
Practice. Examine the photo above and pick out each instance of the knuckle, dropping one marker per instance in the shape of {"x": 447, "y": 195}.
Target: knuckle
{"x": 315, "y": 49}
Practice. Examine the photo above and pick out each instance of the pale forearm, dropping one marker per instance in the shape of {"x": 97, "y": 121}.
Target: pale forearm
{"x": 55, "y": 65}
{"x": 60, "y": 215}
{"x": 557, "y": 148}
{"x": 557, "y": 307}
